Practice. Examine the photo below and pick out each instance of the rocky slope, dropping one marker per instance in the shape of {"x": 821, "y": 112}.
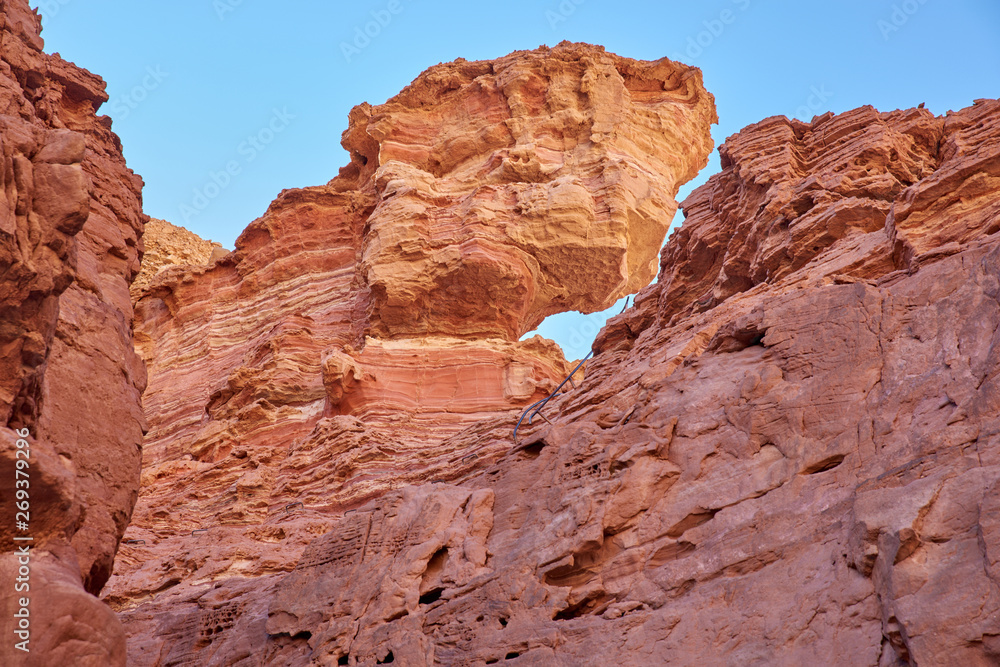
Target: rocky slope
{"x": 70, "y": 226}
{"x": 787, "y": 452}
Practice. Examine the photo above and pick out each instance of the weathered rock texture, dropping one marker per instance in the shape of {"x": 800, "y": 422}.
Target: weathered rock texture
{"x": 786, "y": 453}
{"x": 70, "y": 222}
{"x": 169, "y": 245}
{"x": 359, "y": 324}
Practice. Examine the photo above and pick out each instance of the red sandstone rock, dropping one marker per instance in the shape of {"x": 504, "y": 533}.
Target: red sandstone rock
{"x": 70, "y": 222}
{"x": 358, "y": 324}
{"x": 787, "y": 452}
{"x": 530, "y": 185}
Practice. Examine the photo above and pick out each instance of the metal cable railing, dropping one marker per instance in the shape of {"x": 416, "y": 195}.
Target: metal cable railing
{"x": 536, "y": 408}
{"x": 541, "y": 404}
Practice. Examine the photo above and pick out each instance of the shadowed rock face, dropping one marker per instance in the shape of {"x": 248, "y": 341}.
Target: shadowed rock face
{"x": 70, "y": 222}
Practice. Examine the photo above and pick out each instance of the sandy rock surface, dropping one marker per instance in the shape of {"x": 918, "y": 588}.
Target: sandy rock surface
{"x": 169, "y": 245}
{"x": 362, "y": 330}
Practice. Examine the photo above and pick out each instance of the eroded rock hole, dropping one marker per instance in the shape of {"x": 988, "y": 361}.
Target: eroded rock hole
{"x": 692, "y": 520}
{"x": 589, "y": 605}
{"x": 431, "y": 596}
{"x": 533, "y": 450}
{"x": 431, "y": 586}
{"x": 739, "y": 339}
{"x": 828, "y": 463}
{"x": 670, "y": 552}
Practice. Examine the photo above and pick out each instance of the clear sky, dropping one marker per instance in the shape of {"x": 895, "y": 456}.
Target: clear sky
{"x": 192, "y": 82}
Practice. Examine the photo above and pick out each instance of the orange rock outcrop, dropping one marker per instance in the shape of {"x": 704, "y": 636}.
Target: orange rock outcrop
{"x": 359, "y": 328}
{"x": 786, "y": 452}
{"x": 70, "y": 226}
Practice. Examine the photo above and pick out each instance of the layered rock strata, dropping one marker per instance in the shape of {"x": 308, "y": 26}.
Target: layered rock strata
{"x": 786, "y": 452}
{"x": 803, "y": 471}
{"x": 70, "y": 226}
{"x": 357, "y": 325}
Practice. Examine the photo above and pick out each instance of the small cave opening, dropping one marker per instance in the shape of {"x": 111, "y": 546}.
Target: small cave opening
{"x": 343, "y": 660}
{"x": 389, "y": 657}
{"x": 431, "y": 596}
{"x": 736, "y": 340}
{"x": 829, "y": 463}
{"x": 533, "y": 449}
{"x": 512, "y": 655}
{"x": 591, "y": 604}
{"x": 431, "y": 586}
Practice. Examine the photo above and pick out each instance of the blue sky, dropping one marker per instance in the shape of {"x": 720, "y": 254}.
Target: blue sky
{"x": 265, "y": 88}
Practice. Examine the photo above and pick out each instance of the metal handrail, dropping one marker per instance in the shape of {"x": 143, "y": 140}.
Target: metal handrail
{"x": 541, "y": 403}
{"x": 569, "y": 378}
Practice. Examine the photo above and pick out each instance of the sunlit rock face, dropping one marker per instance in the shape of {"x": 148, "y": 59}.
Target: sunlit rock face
{"x": 786, "y": 452}
{"x": 167, "y": 245}
{"x": 70, "y": 226}
{"x": 360, "y": 329}
{"x": 513, "y": 189}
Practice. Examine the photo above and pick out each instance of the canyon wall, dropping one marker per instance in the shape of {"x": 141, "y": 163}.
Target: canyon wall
{"x": 168, "y": 245}
{"x": 70, "y": 227}
{"x": 786, "y": 452}
{"x": 360, "y": 329}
